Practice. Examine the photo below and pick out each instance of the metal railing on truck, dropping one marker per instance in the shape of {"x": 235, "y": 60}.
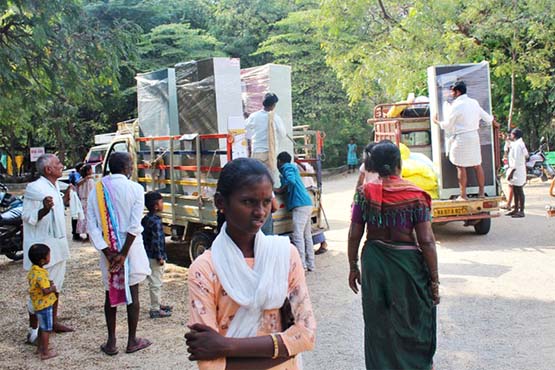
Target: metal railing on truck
{"x": 202, "y": 210}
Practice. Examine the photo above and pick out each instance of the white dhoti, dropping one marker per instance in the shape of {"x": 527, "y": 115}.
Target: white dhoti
{"x": 139, "y": 266}
{"x": 465, "y": 150}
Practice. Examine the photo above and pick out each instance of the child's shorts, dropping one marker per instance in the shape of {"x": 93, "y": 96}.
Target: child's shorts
{"x": 46, "y": 318}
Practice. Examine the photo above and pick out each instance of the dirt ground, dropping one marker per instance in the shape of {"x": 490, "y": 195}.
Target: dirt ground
{"x": 497, "y": 310}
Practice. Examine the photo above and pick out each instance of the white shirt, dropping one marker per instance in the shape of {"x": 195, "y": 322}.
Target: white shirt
{"x": 517, "y": 162}
{"x": 128, "y": 201}
{"x": 257, "y": 130}
{"x": 465, "y": 116}
{"x": 51, "y": 229}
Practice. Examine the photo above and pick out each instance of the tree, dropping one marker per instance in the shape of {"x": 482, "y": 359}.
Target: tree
{"x": 243, "y": 24}
{"x": 318, "y": 98}
{"x": 168, "y": 44}
{"x": 387, "y": 47}
{"x": 57, "y": 55}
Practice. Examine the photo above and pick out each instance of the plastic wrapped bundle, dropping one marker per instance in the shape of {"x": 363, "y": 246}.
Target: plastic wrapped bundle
{"x": 419, "y": 173}
{"x": 276, "y": 78}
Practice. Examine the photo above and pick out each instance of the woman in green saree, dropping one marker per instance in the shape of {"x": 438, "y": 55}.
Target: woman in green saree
{"x": 399, "y": 277}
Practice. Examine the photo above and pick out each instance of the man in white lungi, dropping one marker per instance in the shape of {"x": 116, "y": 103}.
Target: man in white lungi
{"x": 462, "y": 125}
{"x": 120, "y": 205}
{"x": 44, "y": 222}
{"x": 265, "y": 129}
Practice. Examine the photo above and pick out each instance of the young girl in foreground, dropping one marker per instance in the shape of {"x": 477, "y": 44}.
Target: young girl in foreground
{"x": 237, "y": 289}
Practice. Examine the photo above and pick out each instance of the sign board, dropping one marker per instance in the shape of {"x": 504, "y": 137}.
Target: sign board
{"x": 36, "y": 152}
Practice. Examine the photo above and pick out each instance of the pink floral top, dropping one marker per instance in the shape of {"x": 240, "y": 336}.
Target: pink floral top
{"x": 210, "y": 305}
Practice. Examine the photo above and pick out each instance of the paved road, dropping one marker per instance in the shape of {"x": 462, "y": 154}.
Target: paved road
{"x": 498, "y": 296}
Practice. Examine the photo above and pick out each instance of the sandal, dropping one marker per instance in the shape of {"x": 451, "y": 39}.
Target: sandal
{"x": 155, "y": 314}
{"x": 105, "y": 349}
{"x": 321, "y": 250}
{"x": 166, "y": 308}
{"x": 141, "y": 344}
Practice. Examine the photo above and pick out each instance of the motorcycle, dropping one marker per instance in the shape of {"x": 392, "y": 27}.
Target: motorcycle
{"x": 11, "y": 225}
{"x": 537, "y": 165}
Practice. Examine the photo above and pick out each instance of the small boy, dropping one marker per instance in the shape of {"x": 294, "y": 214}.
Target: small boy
{"x": 300, "y": 205}
{"x": 43, "y": 297}
{"x": 155, "y": 246}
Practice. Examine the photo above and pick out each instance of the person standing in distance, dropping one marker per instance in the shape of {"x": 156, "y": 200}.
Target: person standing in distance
{"x": 462, "y": 125}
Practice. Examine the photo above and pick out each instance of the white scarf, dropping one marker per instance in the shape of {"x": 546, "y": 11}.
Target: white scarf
{"x": 75, "y": 206}
{"x": 262, "y": 288}
{"x": 57, "y": 224}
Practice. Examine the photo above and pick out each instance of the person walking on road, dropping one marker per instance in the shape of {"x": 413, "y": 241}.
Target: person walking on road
{"x": 462, "y": 125}
{"x": 516, "y": 174}
{"x": 398, "y": 275}
{"x": 352, "y": 158}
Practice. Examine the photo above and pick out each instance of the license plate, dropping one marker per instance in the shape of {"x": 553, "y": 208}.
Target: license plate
{"x": 443, "y": 212}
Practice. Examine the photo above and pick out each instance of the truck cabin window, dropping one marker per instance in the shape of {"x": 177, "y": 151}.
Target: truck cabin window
{"x": 118, "y": 147}
{"x": 416, "y": 138}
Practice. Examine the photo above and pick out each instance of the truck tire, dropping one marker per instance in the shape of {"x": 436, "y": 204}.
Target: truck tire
{"x": 483, "y": 227}
{"x": 201, "y": 241}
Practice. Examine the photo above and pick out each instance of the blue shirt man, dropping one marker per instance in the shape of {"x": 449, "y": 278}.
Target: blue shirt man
{"x": 300, "y": 205}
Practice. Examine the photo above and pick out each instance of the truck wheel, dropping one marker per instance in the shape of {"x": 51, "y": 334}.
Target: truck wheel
{"x": 483, "y": 227}
{"x": 201, "y": 241}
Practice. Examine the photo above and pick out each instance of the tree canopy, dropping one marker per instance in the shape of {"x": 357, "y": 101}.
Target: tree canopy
{"x": 67, "y": 67}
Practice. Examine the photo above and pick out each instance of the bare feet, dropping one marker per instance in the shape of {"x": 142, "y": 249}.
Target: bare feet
{"x": 48, "y": 355}
{"x": 61, "y": 328}
{"x": 109, "y": 350}
{"x": 137, "y": 345}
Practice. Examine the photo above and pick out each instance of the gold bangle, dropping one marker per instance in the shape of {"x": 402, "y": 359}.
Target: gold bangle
{"x": 276, "y": 347}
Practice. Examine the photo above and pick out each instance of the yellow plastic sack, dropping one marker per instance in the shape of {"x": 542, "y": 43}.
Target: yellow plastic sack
{"x": 412, "y": 167}
{"x": 396, "y": 111}
{"x": 429, "y": 186}
{"x": 405, "y": 151}
{"x": 418, "y": 173}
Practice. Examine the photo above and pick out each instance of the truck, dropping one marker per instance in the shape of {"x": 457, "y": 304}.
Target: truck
{"x": 415, "y": 131}
{"x": 185, "y": 168}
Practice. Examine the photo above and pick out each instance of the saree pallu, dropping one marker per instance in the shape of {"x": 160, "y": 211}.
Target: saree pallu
{"x": 399, "y": 316}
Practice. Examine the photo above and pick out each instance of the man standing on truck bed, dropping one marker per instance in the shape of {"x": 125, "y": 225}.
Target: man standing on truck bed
{"x": 462, "y": 125}
{"x": 264, "y": 129}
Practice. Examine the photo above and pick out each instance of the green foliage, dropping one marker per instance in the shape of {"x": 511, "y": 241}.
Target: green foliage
{"x": 318, "y": 98}
{"x": 67, "y": 67}
{"x": 243, "y": 24}
{"x": 55, "y": 58}
{"x": 380, "y": 46}
{"x": 168, "y": 44}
